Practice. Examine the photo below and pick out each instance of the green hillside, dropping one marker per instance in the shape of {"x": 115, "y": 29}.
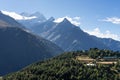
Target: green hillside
{"x": 73, "y": 66}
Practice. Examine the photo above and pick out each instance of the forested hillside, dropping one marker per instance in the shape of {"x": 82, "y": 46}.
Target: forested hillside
{"x": 68, "y": 67}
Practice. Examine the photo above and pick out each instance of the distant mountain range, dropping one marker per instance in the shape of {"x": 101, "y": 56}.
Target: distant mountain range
{"x": 18, "y": 47}
{"x": 66, "y": 35}
{"x": 70, "y": 37}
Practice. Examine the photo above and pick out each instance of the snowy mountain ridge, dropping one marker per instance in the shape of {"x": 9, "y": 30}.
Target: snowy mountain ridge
{"x": 17, "y": 16}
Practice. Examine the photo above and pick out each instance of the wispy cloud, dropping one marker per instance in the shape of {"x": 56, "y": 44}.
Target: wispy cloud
{"x": 114, "y": 20}
{"x": 107, "y": 34}
{"x": 74, "y": 20}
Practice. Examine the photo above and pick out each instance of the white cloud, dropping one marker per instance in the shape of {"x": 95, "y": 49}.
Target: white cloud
{"x": 107, "y": 34}
{"x": 114, "y": 20}
{"x": 74, "y": 20}
{"x": 77, "y": 18}
{"x": 17, "y": 16}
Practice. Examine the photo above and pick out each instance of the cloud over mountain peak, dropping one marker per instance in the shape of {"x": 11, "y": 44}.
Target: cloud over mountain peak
{"x": 74, "y": 20}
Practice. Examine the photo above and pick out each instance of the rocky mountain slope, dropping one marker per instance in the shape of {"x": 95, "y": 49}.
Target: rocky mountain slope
{"x": 19, "y": 48}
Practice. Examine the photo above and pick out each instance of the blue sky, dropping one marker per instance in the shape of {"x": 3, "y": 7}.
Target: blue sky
{"x": 102, "y": 16}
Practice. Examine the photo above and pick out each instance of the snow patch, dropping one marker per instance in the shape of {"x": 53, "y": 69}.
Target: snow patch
{"x": 50, "y": 36}
{"x": 74, "y": 41}
{"x": 55, "y": 38}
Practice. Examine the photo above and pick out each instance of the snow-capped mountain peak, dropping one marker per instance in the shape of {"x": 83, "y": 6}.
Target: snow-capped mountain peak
{"x": 73, "y": 20}
{"x": 17, "y": 16}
